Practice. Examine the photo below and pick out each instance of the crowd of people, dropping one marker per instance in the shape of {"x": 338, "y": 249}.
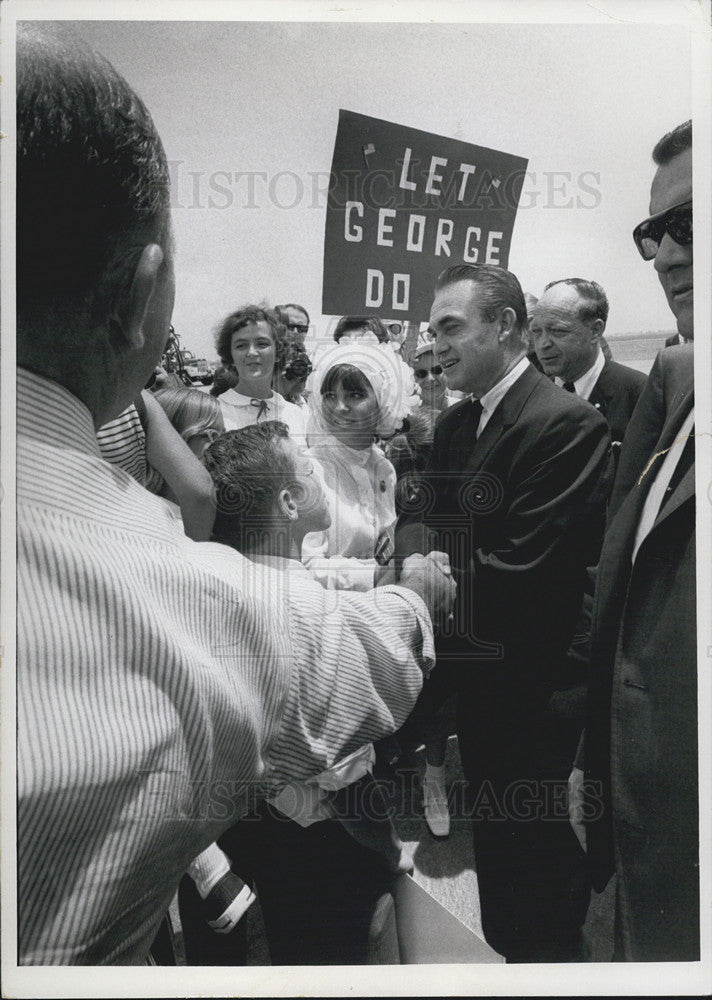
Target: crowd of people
{"x": 233, "y": 604}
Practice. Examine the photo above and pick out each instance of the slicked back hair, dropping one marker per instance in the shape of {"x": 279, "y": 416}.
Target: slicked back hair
{"x": 595, "y": 300}
{"x": 499, "y": 289}
{"x": 248, "y": 468}
{"x": 92, "y": 185}
{"x": 673, "y": 143}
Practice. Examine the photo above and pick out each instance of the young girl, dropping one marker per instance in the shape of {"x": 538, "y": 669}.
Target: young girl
{"x": 249, "y": 340}
{"x": 360, "y": 394}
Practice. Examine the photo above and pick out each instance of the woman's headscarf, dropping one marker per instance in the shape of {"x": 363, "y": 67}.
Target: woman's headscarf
{"x": 390, "y": 378}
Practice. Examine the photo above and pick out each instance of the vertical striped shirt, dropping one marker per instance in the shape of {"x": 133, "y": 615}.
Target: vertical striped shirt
{"x": 161, "y": 682}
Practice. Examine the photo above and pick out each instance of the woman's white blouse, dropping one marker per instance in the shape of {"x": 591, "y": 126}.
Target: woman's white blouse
{"x": 241, "y": 411}
{"x": 360, "y": 487}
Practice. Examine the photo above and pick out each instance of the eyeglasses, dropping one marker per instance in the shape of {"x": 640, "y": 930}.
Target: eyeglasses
{"x": 298, "y": 327}
{"x": 677, "y": 221}
{"x": 424, "y": 372}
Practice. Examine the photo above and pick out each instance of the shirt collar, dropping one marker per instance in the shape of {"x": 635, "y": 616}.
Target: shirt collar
{"x": 238, "y": 399}
{"x": 496, "y": 394}
{"x": 50, "y": 413}
{"x": 585, "y": 383}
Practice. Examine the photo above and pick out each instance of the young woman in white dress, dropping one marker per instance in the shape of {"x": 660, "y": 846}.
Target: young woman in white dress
{"x": 250, "y": 340}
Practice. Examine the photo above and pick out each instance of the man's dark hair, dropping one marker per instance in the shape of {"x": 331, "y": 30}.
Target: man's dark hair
{"x": 673, "y": 143}
{"x": 595, "y": 304}
{"x": 293, "y": 305}
{"x": 244, "y": 317}
{"x": 248, "y": 470}
{"x": 500, "y": 289}
{"x": 92, "y": 188}
{"x": 373, "y": 323}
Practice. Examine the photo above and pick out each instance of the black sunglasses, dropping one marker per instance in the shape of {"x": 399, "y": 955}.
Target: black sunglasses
{"x": 677, "y": 221}
{"x": 298, "y": 327}
{"x": 424, "y": 372}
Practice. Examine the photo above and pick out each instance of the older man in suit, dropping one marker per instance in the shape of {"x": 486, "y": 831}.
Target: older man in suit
{"x": 566, "y": 328}
{"x": 641, "y": 732}
{"x": 514, "y": 494}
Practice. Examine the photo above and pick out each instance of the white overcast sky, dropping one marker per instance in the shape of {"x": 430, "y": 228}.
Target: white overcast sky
{"x": 588, "y": 101}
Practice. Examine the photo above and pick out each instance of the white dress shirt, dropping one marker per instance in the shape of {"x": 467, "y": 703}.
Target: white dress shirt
{"x": 584, "y": 383}
{"x": 494, "y": 396}
{"x": 656, "y": 493}
{"x": 161, "y": 683}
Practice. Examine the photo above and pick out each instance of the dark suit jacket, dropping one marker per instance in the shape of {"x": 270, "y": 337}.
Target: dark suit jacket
{"x": 641, "y": 727}
{"x": 673, "y": 340}
{"x": 615, "y": 395}
{"x": 520, "y": 512}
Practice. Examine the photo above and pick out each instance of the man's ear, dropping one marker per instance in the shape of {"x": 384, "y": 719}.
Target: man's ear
{"x": 507, "y": 322}
{"x": 286, "y": 504}
{"x": 129, "y": 319}
{"x": 597, "y": 328}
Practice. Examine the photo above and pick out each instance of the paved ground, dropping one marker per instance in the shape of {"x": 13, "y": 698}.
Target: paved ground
{"x": 445, "y": 867}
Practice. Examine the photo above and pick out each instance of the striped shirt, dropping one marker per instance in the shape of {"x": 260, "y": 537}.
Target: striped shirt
{"x": 123, "y": 442}
{"x": 161, "y": 683}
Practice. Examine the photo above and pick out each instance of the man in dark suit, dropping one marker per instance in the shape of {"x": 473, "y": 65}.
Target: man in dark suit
{"x": 513, "y": 493}
{"x": 566, "y": 328}
{"x": 640, "y": 747}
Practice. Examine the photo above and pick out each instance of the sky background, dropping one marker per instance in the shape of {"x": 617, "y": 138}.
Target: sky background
{"x": 588, "y": 101}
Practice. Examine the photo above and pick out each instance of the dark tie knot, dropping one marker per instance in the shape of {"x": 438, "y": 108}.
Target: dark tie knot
{"x": 569, "y": 386}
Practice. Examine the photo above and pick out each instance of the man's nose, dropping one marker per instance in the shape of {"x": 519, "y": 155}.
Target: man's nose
{"x": 441, "y": 346}
{"x": 671, "y": 254}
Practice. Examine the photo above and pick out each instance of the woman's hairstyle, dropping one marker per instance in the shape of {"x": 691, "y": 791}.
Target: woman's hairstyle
{"x": 245, "y": 317}
{"x": 190, "y": 411}
{"x": 348, "y": 376}
{"x": 358, "y": 365}
{"x": 373, "y": 323}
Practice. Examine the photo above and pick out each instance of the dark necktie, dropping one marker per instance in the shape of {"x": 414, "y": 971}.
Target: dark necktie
{"x": 569, "y": 386}
{"x": 472, "y": 418}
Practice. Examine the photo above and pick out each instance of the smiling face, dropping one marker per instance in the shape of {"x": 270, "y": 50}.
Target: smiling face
{"x": 672, "y": 185}
{"x": 430, "y": 378}
{"x": 253, "y": 354}
{"x": 350, "y": 410}
{"x": 466, "y": 345}
{"x": 565, "y": 344}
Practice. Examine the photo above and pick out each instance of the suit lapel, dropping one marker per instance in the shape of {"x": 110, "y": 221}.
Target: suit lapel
{"x": 686, "y": 486}
{"x": 505, "y": 414}
{"x": 602, "y": 392}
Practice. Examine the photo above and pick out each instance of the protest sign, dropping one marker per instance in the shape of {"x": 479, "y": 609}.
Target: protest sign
{"x": 405, "y": 204}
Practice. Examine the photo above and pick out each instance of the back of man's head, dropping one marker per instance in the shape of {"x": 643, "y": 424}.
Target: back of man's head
{"x": 249, "y": 468}
{"x": 92, "y": 191}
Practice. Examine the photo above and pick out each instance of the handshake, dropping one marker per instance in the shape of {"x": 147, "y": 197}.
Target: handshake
{"x": 431, "y": 579}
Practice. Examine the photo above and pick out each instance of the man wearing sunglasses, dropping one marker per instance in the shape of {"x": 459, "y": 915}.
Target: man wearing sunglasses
{"x": 640, "y": 746}
{"x": 296, "y": 319}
